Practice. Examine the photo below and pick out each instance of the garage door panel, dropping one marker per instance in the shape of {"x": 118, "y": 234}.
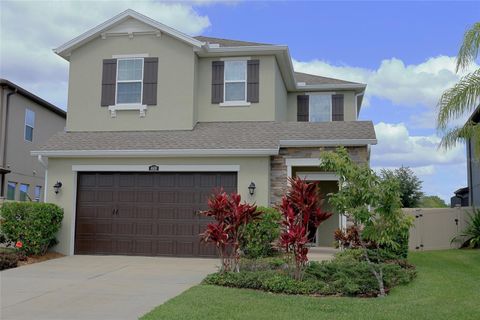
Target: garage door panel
{"x": 155, "y": 213}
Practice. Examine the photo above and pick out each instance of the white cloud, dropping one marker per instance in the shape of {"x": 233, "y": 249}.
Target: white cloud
{"x": 30, "y": 30}
{"x": 402, "y": 84}
{"x": 396, "y": 147}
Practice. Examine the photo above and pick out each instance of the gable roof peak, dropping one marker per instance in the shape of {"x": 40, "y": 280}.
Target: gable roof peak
{"x": 65, "y": 49}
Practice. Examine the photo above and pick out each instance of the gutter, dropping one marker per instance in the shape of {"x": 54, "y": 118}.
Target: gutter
{"x": 319, "y": 143}
{"x": 157, "y": 153}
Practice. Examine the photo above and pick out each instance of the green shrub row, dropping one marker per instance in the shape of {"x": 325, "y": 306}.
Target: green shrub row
{"x": 33, "y": 224}
{"x": 345, "y": 275}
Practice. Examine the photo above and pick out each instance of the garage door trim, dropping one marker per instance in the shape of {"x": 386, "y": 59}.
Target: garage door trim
{"x": 134, "y": 168}
{"x": 162, "y": 168}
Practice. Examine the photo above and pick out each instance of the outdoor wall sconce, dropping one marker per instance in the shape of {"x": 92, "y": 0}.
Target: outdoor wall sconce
{"x": 57, "y": 186}
{"x": 251, "y": 188}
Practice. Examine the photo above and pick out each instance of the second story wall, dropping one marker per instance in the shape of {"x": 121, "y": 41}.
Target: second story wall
{"x": 281, "y": 97}
{"x": 175, "y": 85}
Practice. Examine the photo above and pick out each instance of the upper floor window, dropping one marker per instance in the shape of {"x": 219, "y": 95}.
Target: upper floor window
{"x": 29, "y": 124}
{"x": 235, "y": 81}
{"x": 129, "y": 81}
{"x": 320, "y": 108}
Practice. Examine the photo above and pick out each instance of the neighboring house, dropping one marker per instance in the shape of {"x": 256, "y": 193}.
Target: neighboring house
{"x": 473, "y": 166}
{"x": 26, "y": 122}
{"x": 158, "y": 119}
{"x": 461, "y": 198}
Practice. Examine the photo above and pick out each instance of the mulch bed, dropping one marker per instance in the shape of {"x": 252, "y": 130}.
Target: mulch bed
{"x": 45, "y": 257}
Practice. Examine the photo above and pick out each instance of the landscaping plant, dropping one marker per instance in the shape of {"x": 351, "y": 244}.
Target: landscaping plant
{"x": 260, "y": 234}
{"x": 471, "y": 234}
{"x": 225, "y": 232}
{"x": 300, "y": 207}
{"x": 372, "y": 203}
{"x": 31, "y": 226}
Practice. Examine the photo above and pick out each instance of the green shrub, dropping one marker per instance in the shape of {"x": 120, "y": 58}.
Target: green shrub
{"x": 8, "y": 260}
{"x": 260, "y": 234}
{"x": 34, "y": 224}
{"x": 346, "y": 275}
{"x": 268, "y": 263}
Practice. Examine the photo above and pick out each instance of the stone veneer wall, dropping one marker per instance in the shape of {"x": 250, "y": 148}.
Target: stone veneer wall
{"x": 278, "y": 168}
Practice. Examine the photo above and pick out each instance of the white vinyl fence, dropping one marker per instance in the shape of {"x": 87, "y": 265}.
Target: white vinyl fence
{"x": 434, "y": 228}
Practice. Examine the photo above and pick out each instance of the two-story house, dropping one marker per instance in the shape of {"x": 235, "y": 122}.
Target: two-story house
{"x": 158, "y": 119}
{"x": 26, "y": 122}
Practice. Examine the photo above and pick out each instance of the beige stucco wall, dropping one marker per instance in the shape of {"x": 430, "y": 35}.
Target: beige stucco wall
{"x": 281, "y": 96}
{"x": 251, "y": 169}
{"x": 25, "y": 169}
{"x": 175, "y": 89}
{"x": 264, "y": 110}
{"x": 349, "y": 105}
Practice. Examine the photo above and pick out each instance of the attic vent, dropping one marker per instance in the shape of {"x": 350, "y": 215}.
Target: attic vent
{"x": 301, "y": 84}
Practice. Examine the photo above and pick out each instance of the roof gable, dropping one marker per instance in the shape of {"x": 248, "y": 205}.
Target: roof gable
{"x": 127, "y": 22}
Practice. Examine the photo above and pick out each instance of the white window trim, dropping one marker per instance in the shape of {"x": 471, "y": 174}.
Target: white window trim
{"x": 129, "y": 81}
{"x": 233, "y": 103}
{"x": 26, "y": 125}
{"x": 129, "y": 106}
{"x": 331, "y": 104}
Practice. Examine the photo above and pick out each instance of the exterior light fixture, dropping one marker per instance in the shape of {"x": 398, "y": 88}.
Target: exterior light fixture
{"x": 57, "y": 186}
{"x": 251, "y": 188}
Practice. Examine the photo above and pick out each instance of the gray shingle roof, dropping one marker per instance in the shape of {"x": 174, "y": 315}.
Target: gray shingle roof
{"x": 229, "y": 42}
{"x": 212, "y": 135}
{"x": 313, "y": 79}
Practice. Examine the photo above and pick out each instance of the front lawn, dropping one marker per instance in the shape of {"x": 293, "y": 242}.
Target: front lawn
{"x": 447, "y": 287}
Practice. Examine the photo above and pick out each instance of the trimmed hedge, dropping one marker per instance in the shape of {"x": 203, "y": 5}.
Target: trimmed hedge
{"x": 34, "y": 224}
{"x": 259, "y": 234}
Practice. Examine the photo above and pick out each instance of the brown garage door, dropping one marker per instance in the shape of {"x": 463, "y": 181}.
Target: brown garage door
{"x": 152, "y": 214}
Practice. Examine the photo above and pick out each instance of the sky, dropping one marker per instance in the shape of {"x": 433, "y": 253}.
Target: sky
{"x": 404, "y": 51}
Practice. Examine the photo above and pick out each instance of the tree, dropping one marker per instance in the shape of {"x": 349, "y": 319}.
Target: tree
{"x": 432, "y": 202}
{"x": 372, "y": 203}
{"x": 410, "y": 185}
{"x": 299, "y": 208}
{"x": 463, "y": 97}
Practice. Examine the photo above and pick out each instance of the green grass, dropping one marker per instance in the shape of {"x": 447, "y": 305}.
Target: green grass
{"x": 447, "y": 287}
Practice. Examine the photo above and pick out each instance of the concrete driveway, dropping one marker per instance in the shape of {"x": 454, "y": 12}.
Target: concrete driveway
{"x": 96, "y": 287}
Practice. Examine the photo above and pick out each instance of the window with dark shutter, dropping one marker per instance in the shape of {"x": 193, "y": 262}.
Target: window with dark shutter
{"x": 217, "y": 81}
{"x": 150, "y": 76}
{"x": 337, "y": 107}
{"x": 302, "y": 107}
{"x": 109, "y": 78}
{"x": 253, "y": 80}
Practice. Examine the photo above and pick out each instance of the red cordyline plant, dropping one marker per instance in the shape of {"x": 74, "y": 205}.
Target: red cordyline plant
{"x": 300, "y": 207}
{"x": 225, "y": 232}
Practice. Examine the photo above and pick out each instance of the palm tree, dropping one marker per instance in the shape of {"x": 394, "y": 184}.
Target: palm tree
{"x": 463, "y": 98}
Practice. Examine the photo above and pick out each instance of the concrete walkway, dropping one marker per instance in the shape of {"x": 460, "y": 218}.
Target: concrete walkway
{"x": 96, "y": 287}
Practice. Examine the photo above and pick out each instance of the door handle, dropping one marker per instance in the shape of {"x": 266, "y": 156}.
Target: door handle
{"x": 113, "y": 212}
{"x": 116, "y": 212}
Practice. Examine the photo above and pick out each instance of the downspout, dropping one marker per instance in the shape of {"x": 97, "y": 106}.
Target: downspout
{"x": 44, "y": 163}
{"x": 470, "y": 175}
{"x": 4, "y": 142}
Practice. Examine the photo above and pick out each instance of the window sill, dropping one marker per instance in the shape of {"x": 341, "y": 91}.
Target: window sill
{"x": 120, "y": 107}
{"x": 235, "y": 104}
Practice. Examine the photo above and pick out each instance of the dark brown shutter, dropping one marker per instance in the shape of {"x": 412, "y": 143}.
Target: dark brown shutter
{"x": 150, "y": 76}
{"x": 253, "y": 80}
{"x": 217, "y": 81}
{"x": 109, "y": 78}
{"x": 302, "y": 108}
{"x": 337, "y": 107}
